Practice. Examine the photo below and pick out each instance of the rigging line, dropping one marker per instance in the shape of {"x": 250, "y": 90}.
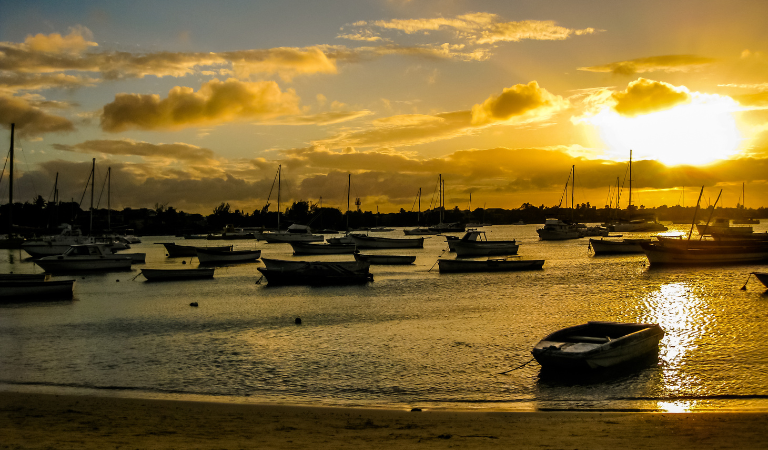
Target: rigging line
{"x": 4, "y": 165}
{"x": 565, "y": 192}
{"x": 414, "y": 203}
{"x": 266, "y": 207}
{"x": 85, "y": 190}
{"x": 102, "y": 192}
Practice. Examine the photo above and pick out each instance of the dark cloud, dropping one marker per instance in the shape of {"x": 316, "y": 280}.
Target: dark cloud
{"x": 30, "y": 119}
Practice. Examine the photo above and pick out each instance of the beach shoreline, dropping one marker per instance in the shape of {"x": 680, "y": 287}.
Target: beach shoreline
{"x": 33, "y": 420}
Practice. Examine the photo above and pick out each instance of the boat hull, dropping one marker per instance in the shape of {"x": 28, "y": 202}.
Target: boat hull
{"x": 698, "y": 254}
{"x": 54, "y": 264}
{"x": 605, "y": 247}
{"x": 36, "y": 290}
{"x": 457, "y": 266}
{"x": 177, "y": 274}
{"x": 281, "y": 273}
{"x": 175, "y": 251}
{"x": 597, "y": 345}
{"x": 287, "y": 238}
{"x": 303, "y": 248}
{"x": 368, "y": 242}
{"x": 206, "y": 256}
{"x": 484, "y": 248}
{"x": 762, "y": 277}
{"x": 390, "y": 260}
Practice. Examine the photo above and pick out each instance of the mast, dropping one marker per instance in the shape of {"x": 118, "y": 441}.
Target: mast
{"x": 278, "y": 196}
{"x": 56, "y": 200}
{"x": 418, "y": 216}
{"x": 629, "y": 208}
{"x": 10, "y": 186}
{"x": 693, "y": 222}
{"x": 109, "y": 195}
{"x": 573, "y": 188}
{"x": 349, "y": 188}
{"x": 93, "y": 181}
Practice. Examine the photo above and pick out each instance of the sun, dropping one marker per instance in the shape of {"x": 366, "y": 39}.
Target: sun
{"x": 696, "y": 133}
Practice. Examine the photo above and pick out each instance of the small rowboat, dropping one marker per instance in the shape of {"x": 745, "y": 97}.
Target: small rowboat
{"x": 597, "y": 345}
{"x": 382, "y": 242}
{"x": 385, "y": 259}
{"x": 303, "y": 248}
{"x": 279, "y": 272}
{"x": 175, "y": 250}
{"x": 176, "y": 274}
{"x": 491, "y": 265}
{"x": 762, "y": 277}
{"x": 206, "y": 256}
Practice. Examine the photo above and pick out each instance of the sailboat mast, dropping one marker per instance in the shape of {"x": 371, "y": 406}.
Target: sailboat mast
{"x": 349, "y": 188}
{"x": 418, "y": 217}
{"x": 629, "y": 208}
{"x": 56, "y": 200}
{"x": 695, "y": 211}
{"x": 278, "y": 196}
{"x": 573, "y": 189}
{"x": 109, "y": 196}
{"x": 10, "y": 185}
{"x": 93, "y": 181}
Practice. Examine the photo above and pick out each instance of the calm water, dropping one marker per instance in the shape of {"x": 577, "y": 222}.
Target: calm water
{"x": 411, "y": 338}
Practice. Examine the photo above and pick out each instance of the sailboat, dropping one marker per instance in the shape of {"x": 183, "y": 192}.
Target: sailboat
{"x": 441, "y": 227}
{"x": 295, "y": 233}
{"x": 419, "y": 230}
{"x": 634, "y": 225}
{"x": 746, "y": 220}
{"x": 557, "y": 229}
{"x": 346, "y": 239}
{"x": 10, "y": 240}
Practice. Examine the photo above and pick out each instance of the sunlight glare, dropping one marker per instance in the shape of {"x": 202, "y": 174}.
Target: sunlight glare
{"x": 695, "y": 133}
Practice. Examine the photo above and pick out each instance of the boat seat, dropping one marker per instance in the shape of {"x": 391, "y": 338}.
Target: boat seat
{"x": 590, "y": 339}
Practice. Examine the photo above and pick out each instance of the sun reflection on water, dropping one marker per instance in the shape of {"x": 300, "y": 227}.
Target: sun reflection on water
{"x": 681, "y": 311}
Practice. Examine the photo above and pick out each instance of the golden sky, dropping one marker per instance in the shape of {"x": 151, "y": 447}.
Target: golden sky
{"x": 196, "y": 103}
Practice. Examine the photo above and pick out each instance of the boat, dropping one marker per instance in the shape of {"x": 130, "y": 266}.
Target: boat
{"x": 84, "y": 257}
{"x": 230, "y": 233}
{"x": 347, "y": 239}
{"x": 420, "y": 231}
{"x": 756, "y": 237}
{"x": 385, "y": 259}
{"x": 721, "y": 226}
{"x": 699, "y": 252}
{"x": 42, "y": 276}
{"x": 56, "y": 244}
{"x": 286, "y": 237}
{"x": 36, "y": 289}
{"x": 207, "y": 256}
{"x": 136, "y": 258}
{"x": 557, "y": 230}
{"x": 382, "y": 242}
{"x": 441, "y": 227}
{"x": 175, "y": 250}
{"x": 745, "y": 220}
{"x": 596, "y": 345}
{"x": 280, "y": 272}
{"x": 610, "y": 247}
{"x": 762, "y": 277}
{"x": 629, "y": 225}
{"x": 489, "y": 265}
{"x": 177, "y": 274}
{"x": 303, "y": 248}
{"x": 475, "y": 243}
{"x": 10, "y": 240}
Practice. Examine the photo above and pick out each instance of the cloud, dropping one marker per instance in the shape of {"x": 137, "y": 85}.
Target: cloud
{"x": 127, "y": 147}
{"x": 323, "y": 118}
{"x": 644, "y": 96}
{"x": 216, "y": 102}
{"x": 475, "y": 28}
{"x": 284, "y": 61}
{"x": 13, "y": 83}
{"x": 519, "y": 101}
{"x": 75, "y": 42}
{"x": 30, "y": 119}
{"x": 665, "y": 63}
{"x": 757, "y": 99}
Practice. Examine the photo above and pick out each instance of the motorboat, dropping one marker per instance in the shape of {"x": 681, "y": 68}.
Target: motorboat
{"x": 280, "y": 272}
{"x": 304, "y": 248}
{"x": 177, "y": 274}
{"x": 206, "y": 256}
{"x": 231, "y": 233}
{"x": 385, "y": 259}
{"x": 382, "y": 242}
{"x": 36, "y": 289}
{"x": 697, "y": 252}
{"x": 475, "y": 243}
{"x": 84, "y": 257}
{"x": 611, "y": 247}
{"x": 174, "y": 250}
{"x": 722, "y": 226}
{"x": 489, "y": 265}
{"x": 56, "y": 244}
{"x": 597, "y": 345}
{"x": 346, "y": 239}
{"x": 557, "y": 230}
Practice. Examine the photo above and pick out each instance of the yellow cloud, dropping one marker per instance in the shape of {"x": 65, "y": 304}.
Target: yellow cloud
{"x": 128, "y": 147}
{"x": 30, "y": 120}
{"x": 757, "y": 99}
{"x": 522, "y": 101}
{"x": 284, "y": 61}
{"x": 74, "y": 42}
{"x": 644, "y": 96}
{"x": 215, "y": 102}
{"x": 665, "y": 63}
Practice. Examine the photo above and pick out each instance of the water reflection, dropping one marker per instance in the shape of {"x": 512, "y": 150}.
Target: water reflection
{"x": 681, "y": 311}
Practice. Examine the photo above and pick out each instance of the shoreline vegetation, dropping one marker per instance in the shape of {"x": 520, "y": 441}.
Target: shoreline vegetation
{"x": 32, "y": 421}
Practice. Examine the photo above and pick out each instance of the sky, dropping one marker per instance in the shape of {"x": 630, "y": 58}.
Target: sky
{"x": 190, "y": 104}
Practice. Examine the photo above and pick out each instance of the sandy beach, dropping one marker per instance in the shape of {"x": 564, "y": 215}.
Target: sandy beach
{"x": 39, "y": 421}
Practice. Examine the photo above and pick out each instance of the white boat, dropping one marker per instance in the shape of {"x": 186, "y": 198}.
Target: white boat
{"x": 490, "y": 265}
{"x": 84, "y": 257}
{"x": 206, "y": 256}
{"x": 57, "y": 244}
{"x": 382, "y": 242}
{"x": 557, "y": 230}
{"x": 610, "y": 247}
{"x": 385, "y": 259}
{"x": 36, "y": 289}
{"x": 279, "y": 272}
{"x": 721, "y": 226}
{"x": 303, "y": 248}
{"x": 177, "y": 274}
{"x": 597, "y": 345}
{"x": 175, "y": 250}
{"x": 475, "y": 243}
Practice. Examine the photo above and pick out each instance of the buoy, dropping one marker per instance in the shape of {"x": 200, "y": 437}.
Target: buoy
{"x": 117, "y": 281}
{"x": 183, "y": 262}
{"x": 297, "y": 321}
{"x": 193, "y": 304}
{"x": 416, "y": 410}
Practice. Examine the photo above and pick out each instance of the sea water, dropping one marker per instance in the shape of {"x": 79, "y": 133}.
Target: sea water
{"x": 411, "y": 338}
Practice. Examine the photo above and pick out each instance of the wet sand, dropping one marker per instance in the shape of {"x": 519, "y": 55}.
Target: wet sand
{"x": 40, "y": 421}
